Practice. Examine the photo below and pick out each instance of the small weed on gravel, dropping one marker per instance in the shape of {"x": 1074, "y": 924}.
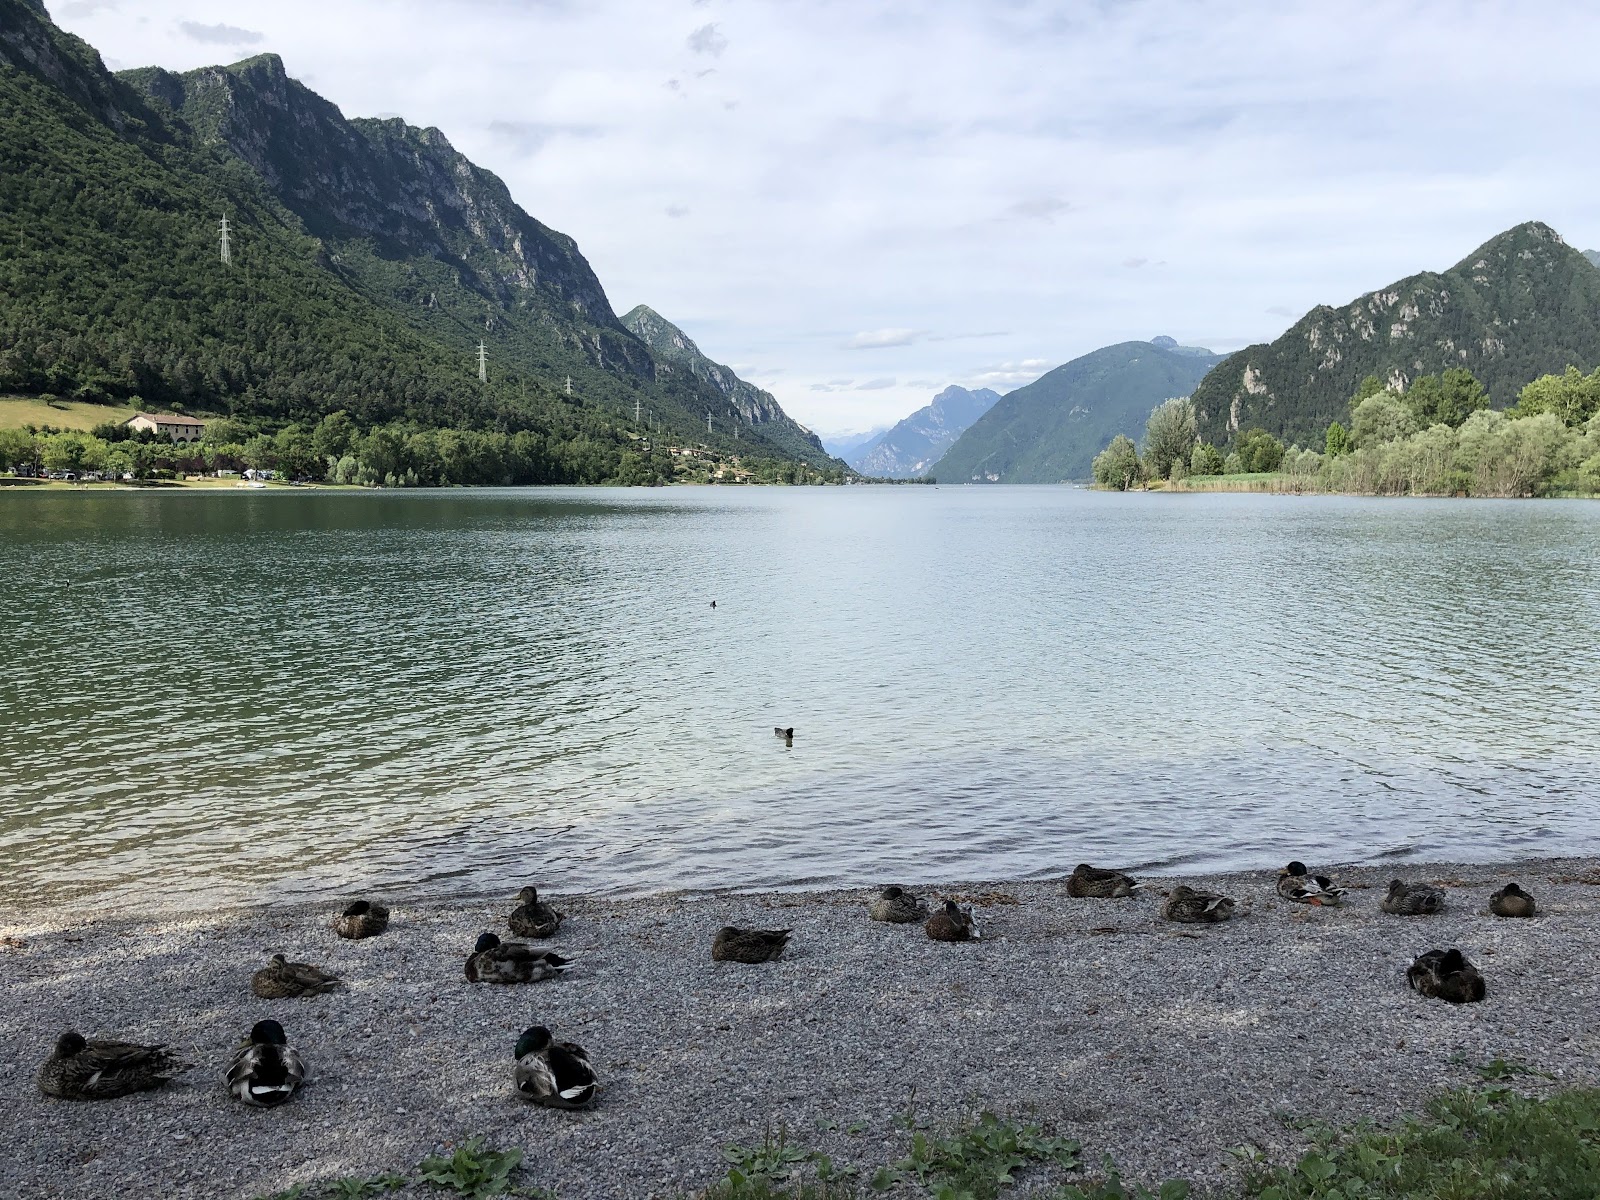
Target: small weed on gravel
{"x": 975, "y": 1163}
{"x": 472, "y": 1170}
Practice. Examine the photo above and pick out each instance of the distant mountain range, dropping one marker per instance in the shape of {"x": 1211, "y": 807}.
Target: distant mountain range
{"x": 845, "y": 445}
{"x": 1593, "y": 256}
{"x": 909, "y": 448}
{"x": 368, "y": 260}
{"x": 1522, "y": 305}
{"x": 1050, "y": 430}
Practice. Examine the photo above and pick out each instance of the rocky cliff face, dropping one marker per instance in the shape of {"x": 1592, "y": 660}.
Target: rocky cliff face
{"x": 911, "y": 447}
{"x": 1521, "y": 305}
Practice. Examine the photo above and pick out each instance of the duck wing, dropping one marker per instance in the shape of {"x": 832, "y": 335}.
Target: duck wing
{"x": 574, "y": 1077}
{"x": 264, "y": 1076}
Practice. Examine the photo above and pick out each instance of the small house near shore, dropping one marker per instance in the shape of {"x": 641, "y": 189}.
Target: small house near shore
{"x": 169, "y": 425}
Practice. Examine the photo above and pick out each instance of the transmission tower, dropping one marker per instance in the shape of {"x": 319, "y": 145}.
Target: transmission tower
{"x": 483, "y": 363}
{"x": 569, "y": 385}
{"x": 708, "y": 424}
{"x": 227, "y": 250}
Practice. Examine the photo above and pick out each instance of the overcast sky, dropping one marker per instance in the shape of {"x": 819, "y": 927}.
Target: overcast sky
{"x": 857, "y": 203}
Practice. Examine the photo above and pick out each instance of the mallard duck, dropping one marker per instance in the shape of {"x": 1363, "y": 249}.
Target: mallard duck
{"x": 1512, "y": 901}
{"x": 494, "y": 961}
{"x": 1193, "y": 907}
{"x": 281, "y": 978}
{"x": 1412, "y": 899}
{"x": 363, "y": 919}
{"x": 786, "y": 733}
{"x": 1098, "y": 883}
{"x": 1297, "y": 884}
{"x": 733, "y": 944}
{"x": 1446, "y": 975}
{"x": 532, "y": 917}
{"x": 897, "y": 906}
{"x": 84, "y": 1070}
{"x": 266, "y": 1071}
{"x": 555, "y": 1074}
{"x": 952, "y": 923}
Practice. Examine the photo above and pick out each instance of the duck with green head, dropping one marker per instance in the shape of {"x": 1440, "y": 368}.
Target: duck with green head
{"x": 79, "y": 1069}
{"x": 554, "y": 1074}
{"x": 1446, "y": 975}
{"x": 1512, "y": 901}
{"x": 281, "y": 979}
{"x": 494, "y": 961}
{"x": 1412, "y": 899}
{"x": 532, "y": 917}
{"x": 1297, "y": 884}
{"x": 363, "y": 919}
{"x": 1193, "y": 907}
{"x": 266, "y": 1071}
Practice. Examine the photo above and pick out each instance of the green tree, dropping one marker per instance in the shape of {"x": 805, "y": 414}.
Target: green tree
{"x": 1205, "y": 459}
{"x": 1117, "y": 466}
{"x": 1337, "y": 441}
{"x": 334, "y": 435}
{"x": 294, "y": 452}
{"x": 72, "y": 451}
{"x": 1259, "y": 451}
{"x": 1169, "y": 436}
{"x": 1380, "y": 418}
{"x": 1446, "y": 399}
{"x": 1573, "y": 397}
{"x": 18, "y": 448}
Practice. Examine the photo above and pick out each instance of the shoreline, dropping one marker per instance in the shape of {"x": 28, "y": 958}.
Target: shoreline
{"x": 1162, "y": 1045}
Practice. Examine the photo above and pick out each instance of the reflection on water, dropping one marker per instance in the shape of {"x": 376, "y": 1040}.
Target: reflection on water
{"x": 302, "y": 694}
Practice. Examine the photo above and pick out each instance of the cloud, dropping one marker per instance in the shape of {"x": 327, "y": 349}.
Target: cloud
{"x": 529, "y": 137}
{"x": 1134, "y": 263}
{"x": 882, "y": 339}
{"x": 221, "y": 35}
{"x": 86, "y": 8}
{"x": 676, "y": 210}
{"x": 1040, "y": 208}
{"x": 706, "y": 40}
{"x": 875, "y": 385}
{"x": 1011, "y": 374}
{"x": 967, "y": 337}
{"x": 1283, "y": 310}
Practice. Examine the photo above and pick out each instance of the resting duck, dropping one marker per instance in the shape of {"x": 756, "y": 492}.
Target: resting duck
{"x": 733, "y": 944}
{"x": 84, "y": 1070}
{"x": 897, "y": 906}
{"x": 1446, "y": 975}
{"x": 280, "y": 979}
{"x": 363, "y": 919}
{"x": 1098, "y": 883}
{"x": 494, "y": 961}
{"x": 555, "y": 1074}
{"x": 1512, "y": 901}
{"x": 532, "y": 917}
{"x": 952, "y": 924}
{"x": 266, "y": 1071}
{"x": 1193, "y": 907}
{"x": 1298, "y": 885}
{"x": 1412, "y": 899}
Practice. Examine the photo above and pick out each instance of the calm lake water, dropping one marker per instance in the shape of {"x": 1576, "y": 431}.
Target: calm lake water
{"x": 295, "y": 695}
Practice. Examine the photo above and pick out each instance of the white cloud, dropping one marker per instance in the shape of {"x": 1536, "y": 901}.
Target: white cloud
{"x": 220, "y": 35}
{"x": 882, "y": 339}
{"x": 706, "y": 40}
{"x": 875, "y": 385}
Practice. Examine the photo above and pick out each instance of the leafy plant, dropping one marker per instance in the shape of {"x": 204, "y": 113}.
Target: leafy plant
{"x": 975, "y": 1163}
{"x": 472, "y": 1170}
{"x": 354, "y": 1187}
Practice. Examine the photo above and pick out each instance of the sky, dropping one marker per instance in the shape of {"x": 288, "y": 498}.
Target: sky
{"x": 858, "y": 204}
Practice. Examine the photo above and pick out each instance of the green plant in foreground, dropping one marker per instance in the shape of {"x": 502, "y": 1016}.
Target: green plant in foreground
{"x": 975, "y": 1163}
{"x": 472, "y": 1170}
{"x": 354, "y": 1187}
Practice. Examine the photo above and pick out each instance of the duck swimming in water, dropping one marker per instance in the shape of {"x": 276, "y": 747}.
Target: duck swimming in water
{"x": 733, "y": 944}
{"x": 1412, "y": 899}
{"x": 1299, "y": 885}
{"x": 78, "y": 1069}
{"x": 952, "y": 923}
{"x": 532, "y": 917}
{"x": 554, "y": 1074}
{"x": 786, "y": 733}
{"x": 1192, "y": 907}
{"x": 1446, "y": 975}
{"x": 897, "y": 906}
{"x": 494, "y": 961}
{"x": 1099, "y": 883}
{"x": 281, "y": 979}
{"x": 266, "y": 1071}
{"x": 1512, "y": 901}
{"x": 363, "y": 919}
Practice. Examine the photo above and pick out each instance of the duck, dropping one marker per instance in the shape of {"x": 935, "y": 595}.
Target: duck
{"x": 494, "y": 961}
{"x": 1297, "y": 884}
{"x": 1412, "y": 899}
{"x": 952, "y": 923}
{"x": 785, "y": 732}
{"x": 78, "y": 1069}
{"x": 554, "y": 1074}
{"x": 266, "y": 1071}
{"x": 733, "y": 944}
{"x": 532, "y": 917}
{"x": 1512, "y": 901}
{"x": 280, "y": 979}
{"x": 363, "y": 919}
{"x": 1194, "y": 907}
{"x": 1099, "y": 883}
{"x": 1446, "y": 975}
{"x": 897, "y": 906}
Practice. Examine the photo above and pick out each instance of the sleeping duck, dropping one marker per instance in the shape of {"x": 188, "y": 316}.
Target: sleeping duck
{"x": 494, "y": 961}
{"x": 952, "y": 923}
{"x": 266, "y": 1071}
{"x": 532, "y": 917}
{"x": 1099, "y": 883}
{"x": 1512, "y": 901}
{"x": 555, "y": 1074}
{"x": 363, "y": 919}
{"x": 1297, "y": 884}
{"x": 1412, "y": 899}
{"x": 1193, "y": 907}
{"x": 733, "y": 944}
{"x": 897, "y": 906}
{"x": 280, "y": 979}
{"x": 102, "y": 1070}
{"x": 1446, "y": 975}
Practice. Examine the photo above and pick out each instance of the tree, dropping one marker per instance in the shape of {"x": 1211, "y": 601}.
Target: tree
{"x": 1380, "y": 418}
{"x": 1573, "y": 397}
{"x": 72, "y": 451}
{"x": 1259, "y": 451}
{"x": 1205, "y": 459}
{"x": 334, "y": 435}
{"x": 1338, "y": 441}
{"x": 1447, "y": 399}
{"x": 18, "y": 448}
{"x": 1117, "y": 466}
{"x": 1169, "y": 436}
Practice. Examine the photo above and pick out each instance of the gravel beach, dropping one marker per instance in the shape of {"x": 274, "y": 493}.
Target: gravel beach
{"x": 1162, "y": 1045}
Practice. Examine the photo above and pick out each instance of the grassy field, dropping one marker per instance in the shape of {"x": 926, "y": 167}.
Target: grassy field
{"x": 17, "y": 412}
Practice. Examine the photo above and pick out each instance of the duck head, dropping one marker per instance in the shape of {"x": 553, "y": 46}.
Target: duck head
{"x": 892, "y": 892}
{"x": 1512, "y": 889}
{"x": 69, "y": 1043}
{"x": 278, "y": 961}
{"x": 528, "y": 895}
{"x": 533, "y": 1040}
{"x": 486, "y": 941}
{"x": 1296, "y": 868}
{"x": 359, "y": 909}
{"x": 268, "y": 1033}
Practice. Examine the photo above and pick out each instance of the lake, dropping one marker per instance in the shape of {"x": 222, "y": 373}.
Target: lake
{"x": 293, "y": 695}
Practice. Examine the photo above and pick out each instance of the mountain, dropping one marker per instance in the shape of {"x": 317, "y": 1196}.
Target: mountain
{"x": 744, "y": 403}
{"x": 1050, "y": 430}
{"x": 1593, "y": 256}
{"x": 368, "y": 259}
{"x": 845, "y": 445}
{"x": 916, "y": 443}
{"x": 1523, "y": 304}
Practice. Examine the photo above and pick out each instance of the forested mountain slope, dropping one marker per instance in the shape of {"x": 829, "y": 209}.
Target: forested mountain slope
{"x": 912, "y": 446}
